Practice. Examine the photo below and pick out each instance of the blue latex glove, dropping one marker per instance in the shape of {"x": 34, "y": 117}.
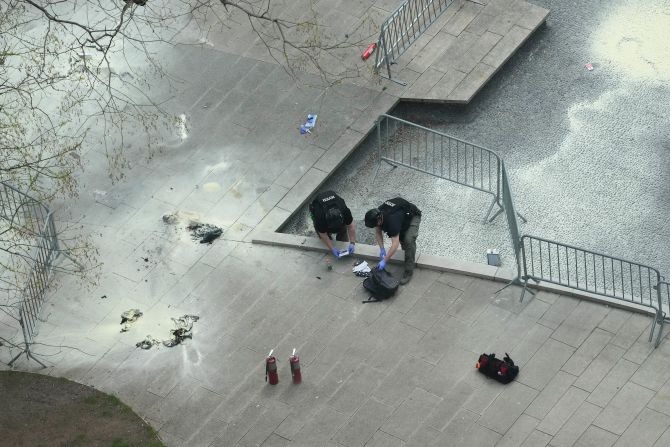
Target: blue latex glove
{"x": 352, "y": 248}
{"x": 381, "y": 265}
{"x": 382, "y": 253}
{"x": 335, "y": 252}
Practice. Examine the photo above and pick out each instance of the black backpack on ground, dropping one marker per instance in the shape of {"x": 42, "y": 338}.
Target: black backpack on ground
{"x": 504, "y": 371}
{"x": 381, "y": 285}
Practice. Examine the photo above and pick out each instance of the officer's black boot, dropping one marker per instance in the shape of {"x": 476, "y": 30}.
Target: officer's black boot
{"x": 406, "y": 276}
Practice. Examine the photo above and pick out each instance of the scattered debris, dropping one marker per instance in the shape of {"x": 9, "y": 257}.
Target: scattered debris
{"x": 309, "y": 124}
{"x": 183, "y": 330}
{"x": 206, "y": 233}
{"x": 148, "y": 342}
{"x": 128, "y": 318}
{"x": 589, "y": 66}
{"x": 362, "y": 269}
{"x": 203, "y": 232}
{"x": 170, "y": 218}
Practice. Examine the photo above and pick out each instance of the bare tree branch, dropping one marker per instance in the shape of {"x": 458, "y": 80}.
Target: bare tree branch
{"x": 77, "y": 76}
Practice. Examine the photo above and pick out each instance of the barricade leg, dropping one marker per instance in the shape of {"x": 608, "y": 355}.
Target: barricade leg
{"x": 658, "y": 318}
{"x": 525, "y": 288}
{"x": 488, "y": 213}
{"x": 518, "y": 282}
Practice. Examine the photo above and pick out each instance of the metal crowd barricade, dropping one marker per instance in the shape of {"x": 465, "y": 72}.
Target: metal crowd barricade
{"x": 588, "y": 271}
{"x": 32, "y": 223}
{"x": 511, "y": 215}
{"x": 664, "y": 300}
{"x": 402, "y": 143}
{"x": 403, "y": 27}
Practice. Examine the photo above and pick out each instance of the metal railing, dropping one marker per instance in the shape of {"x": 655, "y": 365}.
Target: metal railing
{"x": 403, "y": 27}
{"x": 29, "y": 223}
{"x": 402, "y": 143}
{"x": 664, "y": 293}
{"x": 511, "y": 214}
{"x": 664, "y": 302}
{"x": 588, "y": 271}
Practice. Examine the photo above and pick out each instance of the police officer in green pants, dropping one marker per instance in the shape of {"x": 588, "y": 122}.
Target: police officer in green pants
{"x": 400, "y": 220}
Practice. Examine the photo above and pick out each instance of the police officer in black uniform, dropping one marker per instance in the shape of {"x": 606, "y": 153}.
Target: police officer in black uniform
{"x": 331, "y": 215}
{"x": 400, "y": 220}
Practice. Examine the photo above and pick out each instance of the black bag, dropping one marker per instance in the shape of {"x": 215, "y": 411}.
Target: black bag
{"x": 381, "y": 285}
{"x": 504, "y": 371}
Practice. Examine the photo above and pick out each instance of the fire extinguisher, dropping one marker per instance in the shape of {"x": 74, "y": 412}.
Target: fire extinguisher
{"x": 294, "y": 361}
{"x": 271, "y": 375}
{"x": 368, "y": 51}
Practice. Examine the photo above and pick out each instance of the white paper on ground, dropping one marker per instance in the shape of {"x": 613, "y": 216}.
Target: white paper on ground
{"x": 363, "y": 267}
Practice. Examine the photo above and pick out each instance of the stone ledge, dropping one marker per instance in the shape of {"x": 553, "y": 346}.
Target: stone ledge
{"x": 483, "y": 271}
{"x": 371, "y": 252}
{"x": 363, "y": 251}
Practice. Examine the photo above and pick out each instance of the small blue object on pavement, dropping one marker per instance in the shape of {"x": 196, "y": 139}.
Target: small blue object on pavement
{"x": 309, "y": 124}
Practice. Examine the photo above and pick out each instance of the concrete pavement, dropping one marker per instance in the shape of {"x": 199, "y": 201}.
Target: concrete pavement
{"x": 399, "y": 372}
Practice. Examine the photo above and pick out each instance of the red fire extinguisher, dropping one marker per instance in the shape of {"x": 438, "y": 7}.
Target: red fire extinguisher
{"x": 271, "y": 375}
{"x": 368, "y": 51}
{"x": 294, "y": 361}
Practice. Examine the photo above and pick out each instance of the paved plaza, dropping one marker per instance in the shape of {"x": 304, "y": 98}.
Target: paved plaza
{"x": 465, "y": 47}
{"x": 395, "y": 373}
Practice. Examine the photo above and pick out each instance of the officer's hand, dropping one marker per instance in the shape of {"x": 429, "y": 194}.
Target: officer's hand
{"x": 335, "y": 252}
{"x": 381, "y": 265}
{"x": 382, "y": 253}
{"x": 352, "y": 248}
